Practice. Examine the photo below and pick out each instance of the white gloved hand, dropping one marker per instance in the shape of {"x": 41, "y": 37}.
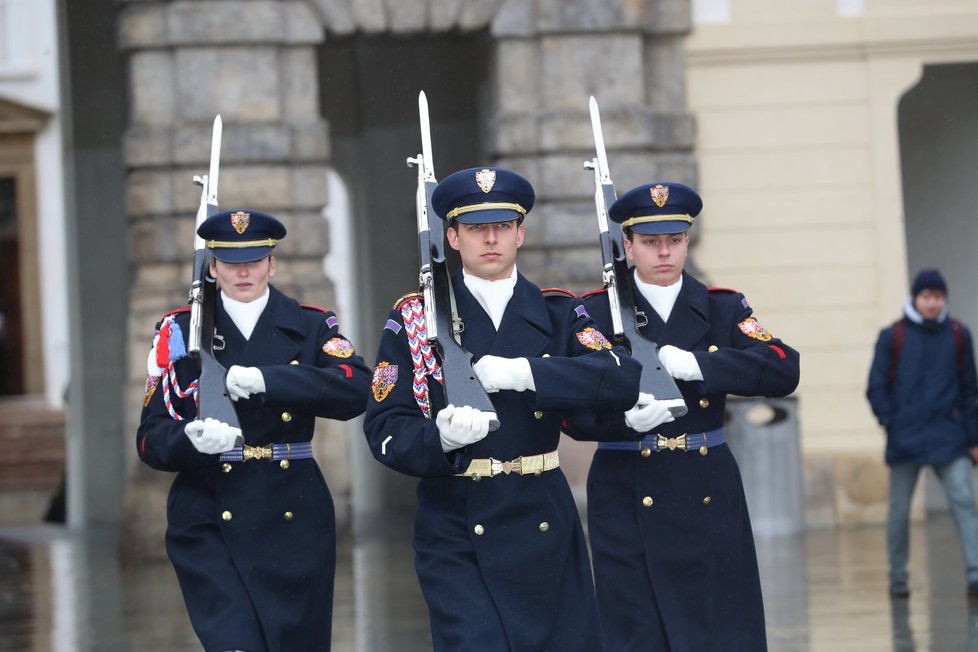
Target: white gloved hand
{"x": 496, "y": 373}
{"x": 680, "y": 364}
{"x": 647, "y": 414}
{"x": 242, "y": 382}
{"x": 460, "y": 426}
{"x": 211, "y": 436}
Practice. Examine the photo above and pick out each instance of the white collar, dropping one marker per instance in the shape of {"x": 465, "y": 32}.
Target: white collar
{"x": 493, "y": 296}
{"x": 245, "y": 314}
{"x": 661, "y": 297}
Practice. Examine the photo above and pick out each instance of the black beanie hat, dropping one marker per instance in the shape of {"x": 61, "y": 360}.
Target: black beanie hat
{"x": 928, "y": 279}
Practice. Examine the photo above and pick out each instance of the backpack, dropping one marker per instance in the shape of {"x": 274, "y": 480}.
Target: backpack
{"x": 900, "y": 334}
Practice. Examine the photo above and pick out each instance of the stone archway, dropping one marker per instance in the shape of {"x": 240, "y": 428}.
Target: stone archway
{"x": 542, "y": 61}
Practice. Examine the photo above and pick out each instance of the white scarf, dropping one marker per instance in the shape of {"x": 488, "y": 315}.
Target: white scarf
{"x": 493, "y": 296}
{"x": 245, "y": 315}
{"x": 662, "y": 298}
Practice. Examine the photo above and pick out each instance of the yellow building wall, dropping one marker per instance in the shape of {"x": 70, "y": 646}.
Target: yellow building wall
{"x": 798, "y": 151}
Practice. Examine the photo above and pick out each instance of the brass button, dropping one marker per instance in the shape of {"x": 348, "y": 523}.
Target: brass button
{"x": 284, "y": 464}
{"x": 288, "y": 516}
{"x": 286, "y": 417}
{"x": 478, "y": 529}
{"x": 707, "y": 500}
{"x": 704, "y": 450}
{"x": 713, "y": 348}
{"x": 226, "y": 467}
{"x": 538, "y": 414}
{"x": 544, "y": 526}
{"x": 294, "y": 362}
{"x": 647, "y": 501}
{"x": 226, "y": 516}
{"x": 646, "y": 451}
{"x": 704, "y": 403}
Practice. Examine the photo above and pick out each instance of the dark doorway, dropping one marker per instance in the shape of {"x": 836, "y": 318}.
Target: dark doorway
{"x": 939, "y": 161}
{"x": 370, "y": 89}
{"x": 11, "y": 322}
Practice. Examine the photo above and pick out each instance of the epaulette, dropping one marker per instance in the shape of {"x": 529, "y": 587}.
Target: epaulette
{"x": 557, "y": 292}
{"x": 176, "y": 311}
{"x": 593, "y": 292}
{"x": 730, "y": 290}
{"x": 409, "y": 295}
{"x": 309, "y": 306}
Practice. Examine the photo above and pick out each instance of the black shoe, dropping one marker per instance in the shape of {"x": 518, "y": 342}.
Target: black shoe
{"x": 899, "y": 589}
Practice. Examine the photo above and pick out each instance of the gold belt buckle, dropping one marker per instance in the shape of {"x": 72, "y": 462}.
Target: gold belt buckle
{"x": 256, "y": 452}
{"x": 513, "y": 466}
{"x": 672, "y": 443}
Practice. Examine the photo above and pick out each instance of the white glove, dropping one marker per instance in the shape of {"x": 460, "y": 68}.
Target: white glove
{"x": 242, "y": 382}
{"x": 211, "y": 436}
{"x": 497, "y": 373}
{"x": 681, "y": 365}
{"x": 460, "y": 426}
{"x": 647, "y": 414}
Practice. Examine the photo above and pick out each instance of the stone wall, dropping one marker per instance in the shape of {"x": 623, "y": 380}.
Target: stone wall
{"x": 187, "y": 64}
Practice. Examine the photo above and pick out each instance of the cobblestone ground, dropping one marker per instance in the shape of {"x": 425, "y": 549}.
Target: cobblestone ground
{"x": 824, "y": 592}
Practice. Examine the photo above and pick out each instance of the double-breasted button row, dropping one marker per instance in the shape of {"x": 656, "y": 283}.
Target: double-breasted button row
{"x": 480, "y": 529}
{"x": 648, "y": 502}
{"x": 288, "y": 516}
{"x": 226, "y": 467}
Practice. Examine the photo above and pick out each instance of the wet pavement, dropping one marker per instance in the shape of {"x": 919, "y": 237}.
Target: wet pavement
{"x": 825, "y": 591}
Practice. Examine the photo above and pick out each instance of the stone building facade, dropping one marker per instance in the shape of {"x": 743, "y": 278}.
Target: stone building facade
{"x": 266, "y": 67}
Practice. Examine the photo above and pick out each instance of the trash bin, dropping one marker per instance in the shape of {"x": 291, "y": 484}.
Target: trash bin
{"x": 764, "y": 438}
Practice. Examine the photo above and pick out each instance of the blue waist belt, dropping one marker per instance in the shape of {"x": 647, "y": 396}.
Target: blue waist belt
{"x": 654, "y": 443}
{"x": 297, "y": 451}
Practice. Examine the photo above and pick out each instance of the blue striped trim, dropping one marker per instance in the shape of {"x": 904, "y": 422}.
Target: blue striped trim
{"x": 694, "y": 441}
{"x": 297, "y": 451}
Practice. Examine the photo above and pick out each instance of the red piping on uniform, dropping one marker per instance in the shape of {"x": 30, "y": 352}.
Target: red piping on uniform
{"x": 349, "y": 372}
{"x": 142, "y": 444}
{"x": 779, "y": 350}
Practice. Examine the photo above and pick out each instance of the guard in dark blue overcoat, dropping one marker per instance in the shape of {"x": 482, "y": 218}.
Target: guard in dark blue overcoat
{"x": 250, "y": 528}
{"x": 500, "y": 552}
{"x": 674, "y": 560}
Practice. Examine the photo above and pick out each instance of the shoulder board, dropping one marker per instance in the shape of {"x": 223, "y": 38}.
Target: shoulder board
{"x": 406, "y": 297}
{"x": 309, "y": 306}
{"x": 557, "y": 292}
{"x": 727, "y": 290}
{"x": 593, "y": 292}
{"x": 176, "y": 311}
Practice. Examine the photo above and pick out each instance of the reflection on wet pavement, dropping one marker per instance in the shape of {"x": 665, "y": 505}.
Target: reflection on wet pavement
{"x": 824, "y": 592}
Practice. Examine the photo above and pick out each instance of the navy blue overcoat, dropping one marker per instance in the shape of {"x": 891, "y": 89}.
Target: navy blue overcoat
{"x": 502, "y": 561}
{"x": 669, "y": 531}
{"x": 253, "y": 543}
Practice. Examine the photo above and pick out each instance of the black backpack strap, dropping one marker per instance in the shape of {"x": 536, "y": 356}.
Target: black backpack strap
{"x": 958, "y": 331}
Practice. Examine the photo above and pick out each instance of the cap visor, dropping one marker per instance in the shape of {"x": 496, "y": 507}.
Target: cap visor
{"x": 243, "y": 255}
{"x": 487, "y": 217}
{"x": 661, "y": 228}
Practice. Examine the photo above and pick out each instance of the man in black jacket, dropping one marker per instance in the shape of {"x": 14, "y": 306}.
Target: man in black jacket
{"x": 923, "y": 390}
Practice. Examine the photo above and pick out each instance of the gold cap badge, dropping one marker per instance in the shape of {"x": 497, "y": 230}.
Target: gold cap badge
{"x": 660, "y": 194}
{"x": 486, "y": 179}
{"x": 240, "y": 221}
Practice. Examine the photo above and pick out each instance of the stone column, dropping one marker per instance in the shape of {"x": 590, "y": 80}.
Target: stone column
{"x": 550, "y": 56}
{"x": 255, "y": 64}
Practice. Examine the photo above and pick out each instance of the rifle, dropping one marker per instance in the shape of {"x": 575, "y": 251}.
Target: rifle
{"x": 617, "y": 280}
{"x": 213, "y": 400}
{"x": 440, "y": 316}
